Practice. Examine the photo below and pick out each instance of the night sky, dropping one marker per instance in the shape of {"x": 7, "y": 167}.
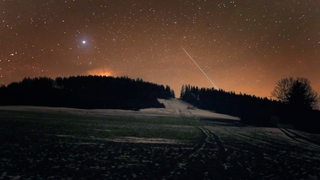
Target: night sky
{"x": 242, "y": 45}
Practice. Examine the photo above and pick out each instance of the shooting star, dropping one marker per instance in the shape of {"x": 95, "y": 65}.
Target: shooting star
{"x": 204, "y": 73}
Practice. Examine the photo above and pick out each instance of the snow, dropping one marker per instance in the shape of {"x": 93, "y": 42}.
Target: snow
{"x": 173, "y": 108}
{"x": 176, "y": 107}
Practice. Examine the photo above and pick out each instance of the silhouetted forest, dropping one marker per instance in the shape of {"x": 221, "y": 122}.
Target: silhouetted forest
{"x": 85, "y": 92}
{"x": 251, "y": 109}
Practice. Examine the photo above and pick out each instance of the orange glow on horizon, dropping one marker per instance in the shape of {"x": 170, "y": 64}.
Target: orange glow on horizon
{"x": 100, "y": 72}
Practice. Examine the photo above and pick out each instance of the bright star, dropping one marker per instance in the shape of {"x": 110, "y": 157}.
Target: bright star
{"x": 84, "y": 42}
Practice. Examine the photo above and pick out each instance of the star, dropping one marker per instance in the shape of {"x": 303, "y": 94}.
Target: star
{"x": 220, "y": 35}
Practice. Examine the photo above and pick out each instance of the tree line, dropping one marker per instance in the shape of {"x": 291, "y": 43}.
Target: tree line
{"x": 258, "y": 111}
{"x": 85, "y": 92}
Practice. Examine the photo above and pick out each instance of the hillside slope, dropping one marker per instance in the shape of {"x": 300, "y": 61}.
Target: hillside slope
{"x": 177, "y": 107}
{"x": 172, "y": 108}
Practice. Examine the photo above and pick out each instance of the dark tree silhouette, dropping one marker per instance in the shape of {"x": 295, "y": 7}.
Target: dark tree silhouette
{"x": 251, "y": 109}
{"x": 85, "y": 92}
{"x": 296, "y": 92}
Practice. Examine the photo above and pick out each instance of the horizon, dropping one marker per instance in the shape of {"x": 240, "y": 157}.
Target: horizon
{"x": 239, "y": 49}
{"x": 177, "y": 93}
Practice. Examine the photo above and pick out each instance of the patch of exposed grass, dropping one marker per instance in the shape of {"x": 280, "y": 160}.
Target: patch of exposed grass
{"x": 21, "y": 125}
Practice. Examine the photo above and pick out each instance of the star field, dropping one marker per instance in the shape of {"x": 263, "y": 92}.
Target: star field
{"x": 243, "y": 45}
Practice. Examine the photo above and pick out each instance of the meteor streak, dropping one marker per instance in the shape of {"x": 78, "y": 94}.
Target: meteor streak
{"x": 204, "y": 73}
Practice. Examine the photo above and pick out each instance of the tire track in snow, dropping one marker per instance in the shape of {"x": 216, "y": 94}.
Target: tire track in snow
{"x": 299, "y": 138}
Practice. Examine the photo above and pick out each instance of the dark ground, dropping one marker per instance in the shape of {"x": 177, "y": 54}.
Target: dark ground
{"x": 62, "y": 146}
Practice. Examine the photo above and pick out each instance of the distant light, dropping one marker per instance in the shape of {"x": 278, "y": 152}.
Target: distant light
{"x": 84, "y": 42}
{"x": 100, "y": 72}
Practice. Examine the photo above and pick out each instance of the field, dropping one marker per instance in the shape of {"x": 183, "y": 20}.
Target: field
{"x": 59, "y": 145}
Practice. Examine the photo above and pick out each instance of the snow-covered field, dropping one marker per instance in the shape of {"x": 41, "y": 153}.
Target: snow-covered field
{"x": 178, "y": 141}
{"x": 173, "y": 108}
